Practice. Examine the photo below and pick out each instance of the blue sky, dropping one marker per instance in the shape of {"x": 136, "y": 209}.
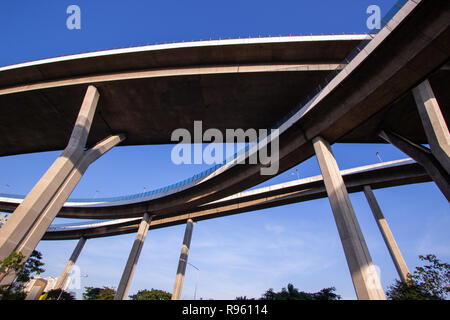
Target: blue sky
{"x": 239, "y": 255}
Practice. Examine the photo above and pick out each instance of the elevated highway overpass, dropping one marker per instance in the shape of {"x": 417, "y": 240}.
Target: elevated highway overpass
{"x": 381, "y": 175}
{"x": 386, "y": 90}
{"x": 384, "y": 72}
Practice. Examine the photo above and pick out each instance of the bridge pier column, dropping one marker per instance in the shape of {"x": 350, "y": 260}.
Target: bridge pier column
{"x": 364, "y": 276}
{"x": 68, "y": 269}
{"x": 26, "y": 226}
{"x": 424, "y": 157}
{"x": 178, "y": 287}
{"x": 133, "y": 258}
{"x": 388, "y": 237}
{"x": 434, "y": 124}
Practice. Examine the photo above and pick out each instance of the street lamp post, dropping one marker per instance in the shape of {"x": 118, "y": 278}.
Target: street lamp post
{"x": 67, "y": 283}
{"x": 379, "y": 158}
{"x": 196, "y": 281}
{"x": 298, "y": 176}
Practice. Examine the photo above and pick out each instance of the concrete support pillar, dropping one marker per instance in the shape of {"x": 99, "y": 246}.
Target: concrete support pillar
{"x": 434, "y": 124}
{"x": 133, "y": 258}
{"x": 364, "y": 276}
{"x": 26, "y": 226}
{"x": 178, "y": 287}
{"x": 388, "y": 237}
{"x": 424, "y": 157}
{"x": 60, "y": 284}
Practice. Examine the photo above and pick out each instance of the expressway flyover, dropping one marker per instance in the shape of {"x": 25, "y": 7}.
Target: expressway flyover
{"x": 380, "y": 92}
{"x": 381, "y": 175}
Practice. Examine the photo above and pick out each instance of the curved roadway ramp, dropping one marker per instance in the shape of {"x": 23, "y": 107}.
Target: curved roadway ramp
{"x": 381, "y": 175}
{"x": 371, "y": 93}
{"x": 386, "y": 90}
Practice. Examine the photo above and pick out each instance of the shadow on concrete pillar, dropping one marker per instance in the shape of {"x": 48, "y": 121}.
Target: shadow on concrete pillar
{"x": 424, "y": 157}
{"x": 29, "y": 222}
{"x": 364, "y": 276}
{"x": 178, "y": 287}
{"x": 434, "y": 124}
{"x": 60, "y": 284}
{"x": 388, "y": 237}
{"x": 133, "y": 258}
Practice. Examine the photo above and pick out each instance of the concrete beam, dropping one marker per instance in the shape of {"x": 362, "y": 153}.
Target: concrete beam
{"x": 424, "y": 157}
{"x": 31, "y": 208}
{"x": 178, "y": 287}
{"x": 388, "y": 237}
{"x": 60, "y": 284}
{"x": 364, "y": 276}
{"x": 434, "y": 124}
{"x": 172, "y": 72}
{"x": 43, "y": 222}
{"x": 378, "y": 176}
{"x": 133, "y": 258}
{"x": 31, "y": 219}
{"x": 32, "y": 239}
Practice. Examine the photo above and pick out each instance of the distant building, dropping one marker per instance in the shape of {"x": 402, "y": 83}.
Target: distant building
{"x": 37, "y": 286}
{"x": 50, "y": 283}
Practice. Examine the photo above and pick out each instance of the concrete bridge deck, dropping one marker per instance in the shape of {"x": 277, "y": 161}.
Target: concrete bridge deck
{"x": 148, "y": 92}
{"x": 366, "y": 98}
{"x": 381, "y": 175}
{"x": 371, "y": 93}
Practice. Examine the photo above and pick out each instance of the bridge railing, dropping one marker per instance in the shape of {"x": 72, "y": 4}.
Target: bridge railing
{"x": 384, "y": 21}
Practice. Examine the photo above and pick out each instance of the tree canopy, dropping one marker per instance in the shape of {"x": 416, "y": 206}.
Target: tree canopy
{"x": 153, "y": 294}
{"x": 58, "y": 294}
{"x": 292, "y": 293}
{"x": 24, "y": 270}
{"x": 93, "y": 293}
{"x": 428, "y": 282}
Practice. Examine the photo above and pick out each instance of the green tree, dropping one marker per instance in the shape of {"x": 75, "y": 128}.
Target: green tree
{"x": 434, "y": 278}
{"x": 24, "y": 270}
{"x": 93, "y": 293}
{"x": 153, "y": 294}
{"x": 58, "y": 294}
{"x": 429, "y": 282}
{"x": 32, "y": 266}
{"x": 13, "y": 263}
{"x": 326, "y": 294}
{"x": 291, "y": 293}
{"x": 407, "y": 291}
